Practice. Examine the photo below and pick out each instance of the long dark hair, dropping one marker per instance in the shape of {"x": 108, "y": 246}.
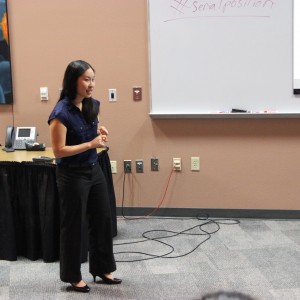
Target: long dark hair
{"x": 73, "y": 71}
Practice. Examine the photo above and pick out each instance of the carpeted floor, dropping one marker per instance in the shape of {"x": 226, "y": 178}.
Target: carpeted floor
{"x": 161, "y": 258}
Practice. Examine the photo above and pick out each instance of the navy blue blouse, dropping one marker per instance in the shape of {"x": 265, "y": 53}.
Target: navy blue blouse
{"x": 78, "y": 131}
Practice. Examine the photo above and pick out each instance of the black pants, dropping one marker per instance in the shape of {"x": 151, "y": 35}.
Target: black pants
{"x": 83, "y": 197}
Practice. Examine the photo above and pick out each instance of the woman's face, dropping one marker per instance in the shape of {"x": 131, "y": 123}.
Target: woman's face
{"x": 86, "y": 84}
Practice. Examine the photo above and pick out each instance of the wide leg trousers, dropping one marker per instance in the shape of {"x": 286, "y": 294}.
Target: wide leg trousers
{"x": 84, "y": 197}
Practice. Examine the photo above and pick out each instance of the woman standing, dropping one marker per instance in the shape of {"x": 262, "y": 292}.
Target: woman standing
{"x": 82, "y": 189}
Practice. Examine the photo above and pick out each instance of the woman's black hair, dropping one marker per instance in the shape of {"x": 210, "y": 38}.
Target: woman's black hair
{"x": 73, "y": 71}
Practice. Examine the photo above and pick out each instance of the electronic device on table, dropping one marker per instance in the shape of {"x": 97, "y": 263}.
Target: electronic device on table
{"x": 22, "y": 138}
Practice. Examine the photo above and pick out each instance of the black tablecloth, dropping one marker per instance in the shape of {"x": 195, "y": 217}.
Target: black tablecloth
{"x": 29, "y": 210}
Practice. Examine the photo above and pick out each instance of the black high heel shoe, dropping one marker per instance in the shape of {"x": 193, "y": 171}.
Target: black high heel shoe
{"x": 108, "y": 280}
{"x": 81, "y": 289}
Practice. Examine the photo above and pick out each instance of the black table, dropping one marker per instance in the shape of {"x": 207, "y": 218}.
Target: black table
{"x": 29, "y": 210}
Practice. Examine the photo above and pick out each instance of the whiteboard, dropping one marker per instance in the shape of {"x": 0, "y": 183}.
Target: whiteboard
{"x": 208, "y": 57}
{"x": 296, "y": 48}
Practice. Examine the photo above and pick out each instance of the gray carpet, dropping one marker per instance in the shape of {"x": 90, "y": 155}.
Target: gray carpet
{"x": 260, "y": 258}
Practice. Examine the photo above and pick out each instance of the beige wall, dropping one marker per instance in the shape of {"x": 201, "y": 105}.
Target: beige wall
{"x": 245, "y": 163}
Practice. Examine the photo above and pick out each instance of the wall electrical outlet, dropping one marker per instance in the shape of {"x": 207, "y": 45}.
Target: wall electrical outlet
{"x": 113, "y": 165}
{"x": 195, "y": 163}
{"x": 112, "y": 95}
{"x": 139, "y": 166}
{"x": 177, "y": 164}
{"x": 154, "y": 164}
{"x": 127, "y": 166}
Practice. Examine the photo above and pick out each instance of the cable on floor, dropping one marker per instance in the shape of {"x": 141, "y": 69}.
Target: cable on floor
{"x": 168, "y": 233}
{"x": 171, "y": 249}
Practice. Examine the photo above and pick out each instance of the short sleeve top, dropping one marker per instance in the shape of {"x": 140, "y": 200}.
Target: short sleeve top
{"x": 78, "y": 131}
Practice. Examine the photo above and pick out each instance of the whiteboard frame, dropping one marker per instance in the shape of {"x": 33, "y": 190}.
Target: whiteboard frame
{"x": 226, "y": 116}
{"x": 207, "y": 115}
